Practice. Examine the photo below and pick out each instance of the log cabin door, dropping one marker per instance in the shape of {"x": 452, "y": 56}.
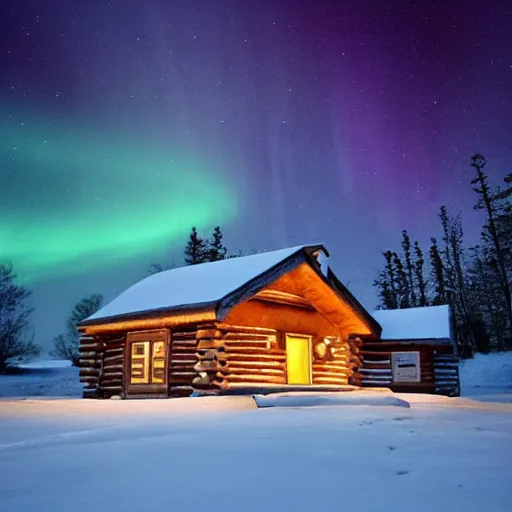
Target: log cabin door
{"x": 298, "y": 359}
{"x": 147, "y": 359}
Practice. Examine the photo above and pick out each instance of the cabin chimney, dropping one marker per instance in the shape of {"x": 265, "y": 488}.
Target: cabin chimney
{"x": 323, "y": 261}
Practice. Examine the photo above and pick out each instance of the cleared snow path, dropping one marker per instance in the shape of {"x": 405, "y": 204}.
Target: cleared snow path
{"x": 309, "y": 399}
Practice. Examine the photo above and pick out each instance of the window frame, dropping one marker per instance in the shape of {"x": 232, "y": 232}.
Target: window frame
{"x": 151, "y": 337}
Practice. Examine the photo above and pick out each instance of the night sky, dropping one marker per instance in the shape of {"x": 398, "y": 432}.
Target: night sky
{"x": 124, "y": 123}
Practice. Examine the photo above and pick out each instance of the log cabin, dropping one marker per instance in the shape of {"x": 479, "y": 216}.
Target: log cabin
{"x": 416, "y": 352}
{"x": 273, "y": 321}
{"x": 278, "y": 320}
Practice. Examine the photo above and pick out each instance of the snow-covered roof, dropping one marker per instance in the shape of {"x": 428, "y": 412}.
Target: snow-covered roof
{"x": 431, "y": 322}
{"x": 192, "y": 285}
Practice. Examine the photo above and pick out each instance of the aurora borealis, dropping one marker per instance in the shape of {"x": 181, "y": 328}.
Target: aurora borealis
{"x": 124, "y": 123}
{"x": 90, "y": 201}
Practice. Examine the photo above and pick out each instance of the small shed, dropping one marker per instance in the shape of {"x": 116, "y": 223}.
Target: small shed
{"x": 275, "y": 320}
{"x": 415, "y": 352}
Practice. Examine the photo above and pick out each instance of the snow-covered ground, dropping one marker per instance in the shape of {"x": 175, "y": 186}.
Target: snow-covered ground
{"x": 223, "y": 453}
{"x": 356, "y": 451}
{"x": 44, "y": 378}
{"x": 488, "y": 377}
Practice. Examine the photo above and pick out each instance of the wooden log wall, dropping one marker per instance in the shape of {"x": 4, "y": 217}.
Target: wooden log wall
{"x": 439, "y": 369}
{"x": 233, "y": 356}
{"x": 183, "y": 358}
{"x": 376, "y": 368}
{"x": 335, "y": 361}
{"x": 102, "y": 365}
{"x": 113, "y": 364}
{"x": 230, "y": 357}
{"x": 90, "y": 349}
{"x": 446, "y": 374}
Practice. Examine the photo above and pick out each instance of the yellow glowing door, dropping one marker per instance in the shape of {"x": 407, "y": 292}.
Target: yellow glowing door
{"x": 298, "y": 359}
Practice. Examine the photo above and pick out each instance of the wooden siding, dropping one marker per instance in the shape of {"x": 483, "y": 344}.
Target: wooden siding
{"x": 336, "y": 362}
{"x": 280, "y": 317}
{"x": 446, "y": 373}
{"x": 377, "y": 371}
{"x": 183, "y": 358}
{"x": 438, "y": 368}
{"x": 90, "y": 350}
{"x": 254, "y": 347}
{"x": 102, "y": 365}
{"x": 238, "y": 356}
{"x": 113, "y": 365}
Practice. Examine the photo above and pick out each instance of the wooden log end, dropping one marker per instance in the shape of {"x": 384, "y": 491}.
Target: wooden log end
{"x": 201, "y": 380}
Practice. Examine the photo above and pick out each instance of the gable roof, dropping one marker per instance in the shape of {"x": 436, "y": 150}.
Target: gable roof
{"x": 422, "y": 323}
{"x": 219, "y": 285}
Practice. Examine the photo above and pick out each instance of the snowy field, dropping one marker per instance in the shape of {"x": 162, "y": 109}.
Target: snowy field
{"x": 488, "y": 377}
{"x": 350, "y": 451}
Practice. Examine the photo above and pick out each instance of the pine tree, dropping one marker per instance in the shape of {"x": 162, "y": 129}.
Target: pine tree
{"x": 504, "y": 222}
{"x": 386, "y": 284}
{"x": 406, "y": 247}
{"x": 196, "y": 250}
{"x": 484, "y": 302}
{"x": 217, "y": 251}
{"x": 419, "y": 273}
{"x": 480, "y": 334}
{"x": 457, "y": 293}
{"x": 384, "y": 292}
{"x": 437, "y": 277}
{"x": 490, "y": 203}
{"x": 403, "y": 291}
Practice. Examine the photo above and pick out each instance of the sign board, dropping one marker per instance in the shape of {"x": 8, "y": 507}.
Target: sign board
{"x": 406, "y": 366}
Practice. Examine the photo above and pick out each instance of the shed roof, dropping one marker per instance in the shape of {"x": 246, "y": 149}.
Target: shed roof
{"x": 219, "y": 285}
{"x": 422, "y": 323}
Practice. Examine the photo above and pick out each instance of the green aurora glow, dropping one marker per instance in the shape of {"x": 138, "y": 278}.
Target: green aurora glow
{"x": 72, "y": 200}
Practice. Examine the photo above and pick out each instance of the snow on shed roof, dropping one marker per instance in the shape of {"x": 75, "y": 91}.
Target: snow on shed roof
{"x": 431, "y": 322}
{"x": 192, "y": 285}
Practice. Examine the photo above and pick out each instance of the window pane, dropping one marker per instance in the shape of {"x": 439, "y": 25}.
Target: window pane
{"x": 158, "y": 366}
{"x": 140, "y": 363}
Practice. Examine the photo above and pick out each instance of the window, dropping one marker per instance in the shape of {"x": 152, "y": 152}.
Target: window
{"x": 158, "y": 363}
{"x": 148, "y": 355}
{"x": 140, "y": 363}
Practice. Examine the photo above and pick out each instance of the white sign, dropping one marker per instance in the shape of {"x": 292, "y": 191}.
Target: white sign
{"x": 406, "y": 366}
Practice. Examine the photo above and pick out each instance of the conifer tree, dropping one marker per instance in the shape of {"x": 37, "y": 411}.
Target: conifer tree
{"x": 457, "y": 294}
{"x": 484, "y": 302}
{"x": 403, "y": 283}
{"x": 386, "y": 284}
{"x": 217, "y": 251}
{"x": 419, "y": 273}
{"x": 406, "y": 247}
{"x": 491, "y": 204}
{"x": 437, "y": 277}
{"x": 196, "y": 250}
{"x": 392, "y": 280}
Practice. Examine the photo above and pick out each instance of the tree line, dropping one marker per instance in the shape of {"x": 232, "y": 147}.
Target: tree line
{"x": 202, "y": 250}
{"x": 475, "y": 281}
